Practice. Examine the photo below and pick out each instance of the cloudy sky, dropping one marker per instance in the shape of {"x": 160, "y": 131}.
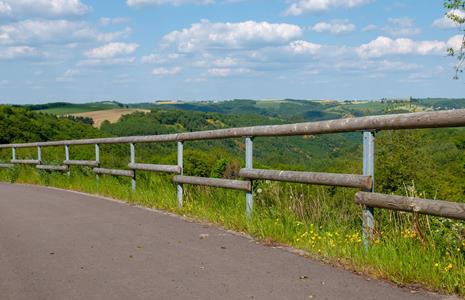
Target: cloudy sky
{"x": 142, "y": 50}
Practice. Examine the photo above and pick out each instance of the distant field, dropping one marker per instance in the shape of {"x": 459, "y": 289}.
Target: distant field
{"x": 111, "y": 115}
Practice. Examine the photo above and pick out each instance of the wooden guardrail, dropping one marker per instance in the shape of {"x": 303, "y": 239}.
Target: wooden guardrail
{"x": 446, "y": 209}
{"x": 88, "y": 163}
{"x": 368, "y": 125}
{"x": 347, "y": 180}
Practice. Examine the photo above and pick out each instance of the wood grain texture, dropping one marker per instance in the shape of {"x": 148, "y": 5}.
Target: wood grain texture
{"x": 88, "y": 163}
{"x": 25, "y": 161}
{"x": 156, "y": 168}
{"x": 114, "y": 172}
{"x": 332, "y": 179}
{"x": 215, "y": 182}
{"x": 52, "y": 168}
{"x": 453, "y": 210}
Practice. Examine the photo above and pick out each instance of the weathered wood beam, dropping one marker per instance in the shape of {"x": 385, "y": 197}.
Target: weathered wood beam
{"x": 88, "y": 163}
{"x": 155, "y": 168}
{"x": 52, "y": 168}
{"x": 332, "y": 179}
{"x": 25, "y": 161}
{"x": 453, "y": 210}
{"x": 114, "y": 172}
{"x": 215, "y": 182}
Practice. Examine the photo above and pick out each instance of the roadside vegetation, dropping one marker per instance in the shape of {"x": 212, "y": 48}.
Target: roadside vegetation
{"x": 407, "y": 249}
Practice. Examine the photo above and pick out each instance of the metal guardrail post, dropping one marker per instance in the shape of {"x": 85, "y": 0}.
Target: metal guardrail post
{"x": 249, "y": 165}
{"x": 179, "y": 187}
{"x": 13, "y": 153}
{"x": 368, "y": 170}
{"x": 133, "y": 161}
{"x": 97, "y": 159}
{"x": 67, "y": 159}
{"x": 39, "y": 154}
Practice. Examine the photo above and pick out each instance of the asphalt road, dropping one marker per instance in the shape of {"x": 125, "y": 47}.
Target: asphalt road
{"x": 56, "y": 244}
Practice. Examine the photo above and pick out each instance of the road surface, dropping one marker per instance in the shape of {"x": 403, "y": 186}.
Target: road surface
{"x": 56, "y": 244}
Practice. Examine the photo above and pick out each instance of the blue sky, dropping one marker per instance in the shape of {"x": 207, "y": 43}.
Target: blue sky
{"x": 144, "y": 50}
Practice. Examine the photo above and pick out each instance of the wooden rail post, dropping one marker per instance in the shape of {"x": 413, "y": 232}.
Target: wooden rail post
{"x": 39, "y": 154}
{"x": 97, "y": 159}
{"x": 368, "y": 170}
{"x": 67, "y": 159}
{"x": 133, "y": 161}
{"x": 249, "y": 165}
{"x": 179, "y": 186}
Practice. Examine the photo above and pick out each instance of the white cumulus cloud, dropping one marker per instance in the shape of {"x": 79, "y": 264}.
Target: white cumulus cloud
{"x": 207, "y": 35}
{"x": 136, "y": 3}
{"x": 225, "y": 62}
{"x": 455, "y": 42}
{"x": 299, "y": 7}
{"x": 166, "y": 71}
{"x": 105, "y": 21}
{"x": 107, "y": 61}
{"x": 159, "y": 58}
{"x": 45, "y": 8}
{"x": 225, "y": 72}
{"x": 401, "y": 27}
{"x": 334, "y": 27}
{"x": 5, "y": 8}
{"x": 10, "y": 53}
{"x": 111, "y": 50}
{"x": 382, "y": 46}
{"x": 304, "y": 47}
{"x": 54, "y": 32}
{"x": 446, "y": 22}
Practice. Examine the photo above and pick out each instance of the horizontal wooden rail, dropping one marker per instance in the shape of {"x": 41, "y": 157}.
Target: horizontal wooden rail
{"x": 453, "y": 210}
{"x": 52, "y": 168}
{"x": 346, "y": 180}
{"x": 155, "y": 168}
{"x": 435, "y": 119}
{"x": 126, "y": 173}
{"x": 6, "y": 166}
{"x": 215, "y": 182}
{"x": 25, "y": 161}
{"x": 88, "y": 163}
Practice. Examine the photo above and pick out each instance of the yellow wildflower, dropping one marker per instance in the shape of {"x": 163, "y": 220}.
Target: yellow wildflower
{"x": 448, "y": 267}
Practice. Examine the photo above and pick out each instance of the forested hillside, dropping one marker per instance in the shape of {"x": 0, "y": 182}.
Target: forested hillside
{"x": 307, "y": 110}
{"x": 18, "y": 124}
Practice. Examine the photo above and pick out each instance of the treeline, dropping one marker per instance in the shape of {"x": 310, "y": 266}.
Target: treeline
{"x": 60, "y": 105}
{"x": 19, "y": 125}
{"x": 83, "y": 120}
{"x": 46, "y": 106}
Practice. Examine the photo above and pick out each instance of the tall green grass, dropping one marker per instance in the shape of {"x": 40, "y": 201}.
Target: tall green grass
{"x": 407, "y": 249}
